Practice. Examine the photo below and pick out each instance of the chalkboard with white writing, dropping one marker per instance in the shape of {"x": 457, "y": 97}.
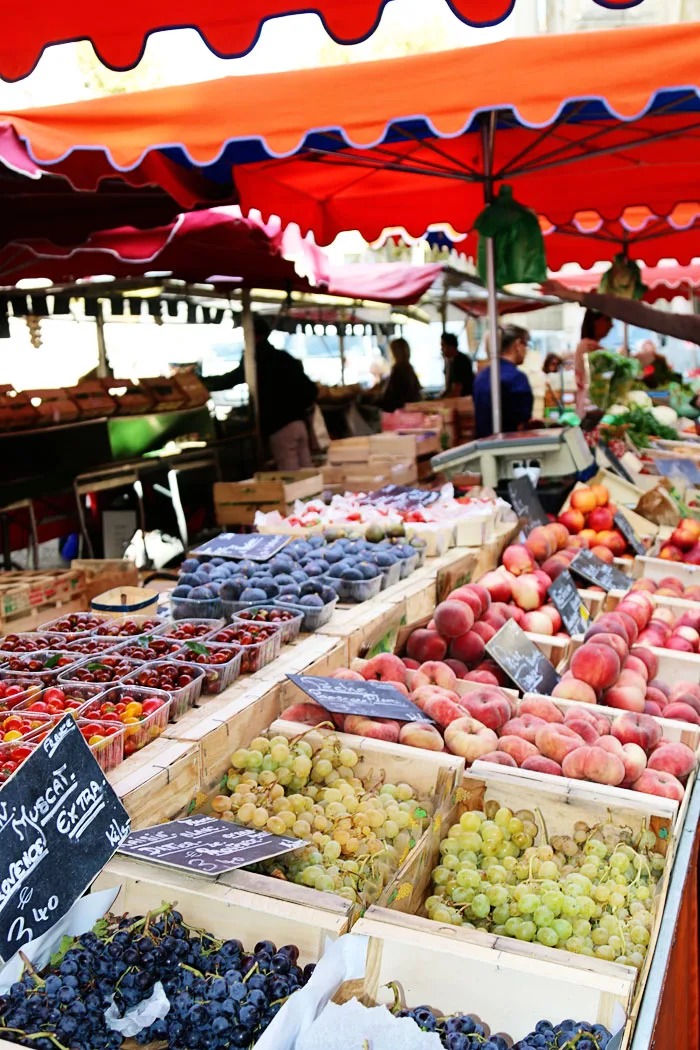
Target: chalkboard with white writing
{"x": 526, "y": 503}
{"x": 349, "y": 697}
{"x": 253, "y": 547}
{"x": 633, "y": 540}
{"x": 590, "y": 568}
{"x": 567, "y": 602}
{"x": 206, "y": 846}
{"x": 519, "y": 657}
{"x": 60, "y": 822}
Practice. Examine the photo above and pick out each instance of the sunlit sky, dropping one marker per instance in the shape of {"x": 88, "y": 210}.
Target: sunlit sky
{"x": 181, "y": 56}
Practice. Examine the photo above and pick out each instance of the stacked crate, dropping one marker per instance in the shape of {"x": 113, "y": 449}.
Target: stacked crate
{"x": 364, "y": 464}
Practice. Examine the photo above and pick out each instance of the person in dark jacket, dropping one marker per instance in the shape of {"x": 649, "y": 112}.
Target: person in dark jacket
{"x": 402, "y": 386}
{"x": 516, "y": 392}
{"x": 286, "y": 396}
{"x": 459, "y": 371}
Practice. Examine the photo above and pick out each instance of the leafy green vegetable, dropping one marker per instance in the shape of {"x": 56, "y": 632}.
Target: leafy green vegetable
{"x": 640, "y": 424}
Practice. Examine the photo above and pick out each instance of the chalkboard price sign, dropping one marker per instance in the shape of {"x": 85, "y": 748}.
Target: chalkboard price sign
{"x": 206, "y": 846}
{"x": 568, "y": 604}
{"x": 628, "y": 532}
{"x": 685, "y": 468}
{"x": 253, "y": 547}
{"x": 347, "y": 697}
{"x": 525, "y": 502}
{"x": 591, "y": 568}
{"x": 60, "y": 822}
{"x": 519, "y": 657}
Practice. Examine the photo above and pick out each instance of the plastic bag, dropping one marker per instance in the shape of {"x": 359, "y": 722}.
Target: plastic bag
{"x": 518, "y": 241}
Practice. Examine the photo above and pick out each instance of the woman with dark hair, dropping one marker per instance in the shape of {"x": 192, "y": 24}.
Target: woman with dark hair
{"x": 402, "y": 386}
{"x": 552, "y": 364}
{"x": 594, "y": 328}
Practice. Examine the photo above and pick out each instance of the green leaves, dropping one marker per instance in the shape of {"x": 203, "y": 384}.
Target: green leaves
{"x": 198, "y": 648}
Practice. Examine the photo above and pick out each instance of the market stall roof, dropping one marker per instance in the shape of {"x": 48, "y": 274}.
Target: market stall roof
{"x": 596, "y": 121}
{"x": 663, "y": 282}
{"x": 118, "y": 31}
{"x": 192, "y": 248}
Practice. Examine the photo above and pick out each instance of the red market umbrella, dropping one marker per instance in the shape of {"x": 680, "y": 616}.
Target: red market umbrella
{"x": 192, "y": 248}
{"x": 663, "y": 282}
{"x": 119, "y": 31}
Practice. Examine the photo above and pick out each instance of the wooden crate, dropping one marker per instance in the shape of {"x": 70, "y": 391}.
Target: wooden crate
{"x": 225, "y": 911}
{"x": 467, "y": 972}
{"x": 236, "y": 502}
{"x": 103, "y": 574}
{"x": 22, "y": 592}
{"x": 657, "y": 569}
{"x": 158, "y": 782}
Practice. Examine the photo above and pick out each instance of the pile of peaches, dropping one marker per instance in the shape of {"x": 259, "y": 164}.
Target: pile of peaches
{"x": 669, "y": 587}
{"x": 683, "y": 543}
{"x": 591, "y": 516}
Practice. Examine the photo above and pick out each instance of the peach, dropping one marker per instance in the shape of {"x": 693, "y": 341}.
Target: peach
{"x": 553, "y": 614}
{"x": 682, "y": 538}
{"x": 517, "y": 748}
{"x": 615, "y": 541}
{"x": 544, "y": 582}
{"x": 597, "y": 665}
{"x": 421, "y": 695}
{"x": 572, "y": 520}
{"x": 500, "y": 758}
{"x": 669, "y": 552}
{"x": 689, "y": 633}
{"x": 384, "y": 668}
{"x": 555, "y": 565}
{"x": 560, "y": 532}
{"x": 409, "y": 664}
{"x": 601, "y": 493}
{"x": 609, "y": 641}
{"x": 608, "y": 623}
{"x": 484, "y": 677}
{"x": 663, "y": 687}
{"x": 663, "y": 615}
{"x": 631, "y": 680}
{"x": 577, "y": 543}
{"x": 590, "y": 536}
{"x": 308, "y": 714}
{"x": 629, "y": 623}
{"x": 635, "y": 761}
{"x": 692, "y": 594}
{"x": 348, "y": 675}
{"x": 637, "y": 612}
{"x": 684, "y": 688}
{"x": 539, "y": 543}
{"x": 525, "y": 726}
{"x": 600, "y": 519}
{"x": 626, "y": 699}
{"x": 492, "y": 666}
{"x": 469, "y": 596}
{"x": 434, "y": 672}
{"x": 583, "y": 499}
{"x": 588, "y": 714}
{"x": 426, "y": 645}
{"x": 682, "y": 713}
{"x": 649, "y": 658}
{"x": 656, "y": 696}
{"x": 486, "y": 631}
{"x": 491, "y": 707}
{"x": 453, "y": 618}
{"x": 469, "y": 648}
{"x": 458, "y": 667}
{"x": 687, "y": 698}
{"x": 679, "y": 644}
{"x": 526, "y": 593}
{"x": 636, "y": 666}
{"x": 574, "y": 689}
{"x": 586, "y": 730}
{"x": 537, "y": 623}
{"x": 673, "y": 582}
{"x": 651, "y": 708}
{"x": 654, "y": 782}
{"x": 421, "y": 734}
{"x": 517, "y": 559}
{"x": 594, "y": 763}
{"x": 499, "y": 584}
{"x": 644, "y": 584}
{"x": 604, "y": 553}
{"x": 540, "y": 764}
{"x": 374, "y": 728}
{"x": 689, "y": 618}
{"x": 610, "y": 743}
{"x": 556, "y": 741}
{"x": 675, "y": 758}
{"x": 469, "y": 739}
{"x": 494, "y": 618}
{"x": 541, "y": 707}
{"x": 483, "y": 594}
{"x": 637, "y": 729}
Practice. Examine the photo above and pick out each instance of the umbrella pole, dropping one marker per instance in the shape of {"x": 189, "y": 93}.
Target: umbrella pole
{"x": 251, "y": 370}
{"x": 341, "y": 347}
{"x": 102, "y": 367}
{"x": 488, "y": 131}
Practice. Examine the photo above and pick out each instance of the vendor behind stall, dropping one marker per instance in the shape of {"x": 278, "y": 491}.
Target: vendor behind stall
{"x": 286, "y": 397}
{"x": 459, "y": 371}
{"x": 402, "y": 385}
{"x": 516, "y": 392}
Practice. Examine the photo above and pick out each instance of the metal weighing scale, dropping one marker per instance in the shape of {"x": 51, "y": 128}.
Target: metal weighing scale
{"x": 558, "y": 453}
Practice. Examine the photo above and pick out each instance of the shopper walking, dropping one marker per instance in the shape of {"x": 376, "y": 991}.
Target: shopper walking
{"x": 516, "y": 392}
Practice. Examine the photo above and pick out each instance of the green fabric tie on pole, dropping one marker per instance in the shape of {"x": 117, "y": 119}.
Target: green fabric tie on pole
{"x": 518, "y": 241}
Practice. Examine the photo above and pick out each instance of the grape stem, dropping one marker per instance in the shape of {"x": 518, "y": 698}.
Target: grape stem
{"x": 36, "y": 1035}
{"x": 30, "y": 969}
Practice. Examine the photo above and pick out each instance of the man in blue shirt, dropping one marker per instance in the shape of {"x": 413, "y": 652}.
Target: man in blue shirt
{"x": 516, "y": 393}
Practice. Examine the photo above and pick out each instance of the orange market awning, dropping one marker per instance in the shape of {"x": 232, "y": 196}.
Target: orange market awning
{"x": 118, "y": 31}
{"x": 594, "y": 121}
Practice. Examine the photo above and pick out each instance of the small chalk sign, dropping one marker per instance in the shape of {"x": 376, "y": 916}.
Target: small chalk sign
{"x": 206, "y": 846}
{"x": 615, "y": 463}
{"x": 348, "y": 697}
{"x": 519, "y": 657}
{"x": 60, "y": 822}
{"x": 525, "y": 502}
{"x": 590, "y": 568}
{"x": 253, "y": 547}
{"x": 625, "y": 527}
{"x": 567, "y": 602}
{"x": 685, "y": 468}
